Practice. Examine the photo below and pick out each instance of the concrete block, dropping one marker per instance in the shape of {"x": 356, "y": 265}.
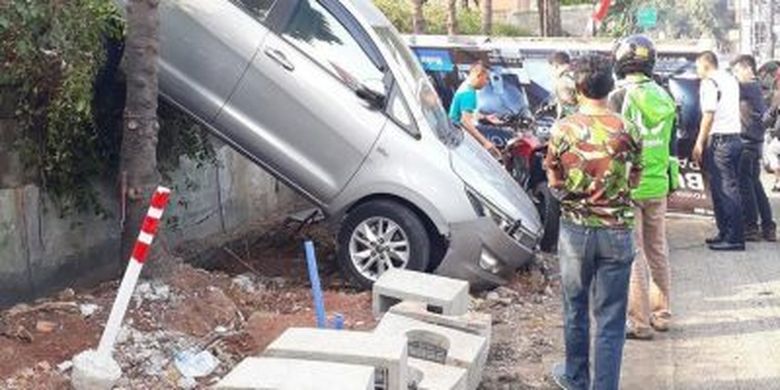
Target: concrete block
{"x": 442, "y": 295}
{"x": 295, "y": 374}
{"x": 93, "y": 371}
{"x": 439, "y": 344}
{"x": 386, "y": 353}
{"x": 472, "y": 322}
{"x": 434, "y": 376}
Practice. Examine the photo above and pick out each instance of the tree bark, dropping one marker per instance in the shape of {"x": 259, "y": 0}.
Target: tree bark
{"x": 770, "y": 50}
{"x": 138, "y": 158}
{"x": 550, "y": 18}
{"x": 452, "y": 17}
{"x": 418, "y": 18}
{"x": 487, "y": 17}
{"x": 464, "y": 4}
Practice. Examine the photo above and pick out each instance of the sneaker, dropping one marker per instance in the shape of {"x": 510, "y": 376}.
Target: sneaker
{"x": 660, "y": 322}
{"x": 715, "y": 239}
{"x": 770, "y": 234}
{"x": 559, "y": 377}
{"x": 752, "y": 234}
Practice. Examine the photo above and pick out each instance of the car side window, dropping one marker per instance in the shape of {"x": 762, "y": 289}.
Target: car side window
{"x": 319, "y": 33}
{"x": 399, "y": 112}
{"x": 257, "y": 8}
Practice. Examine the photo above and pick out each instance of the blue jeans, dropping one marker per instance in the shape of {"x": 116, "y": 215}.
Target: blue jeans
{"x": 754, "y": 200}
{"x": 721, "y": 162}
{"x": 597, "y": 261}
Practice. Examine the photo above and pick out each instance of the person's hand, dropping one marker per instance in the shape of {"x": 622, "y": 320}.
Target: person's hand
{"x": 698, "y": 151}
{"x": 492, "y": 149}
{"x": 494, "y": 119}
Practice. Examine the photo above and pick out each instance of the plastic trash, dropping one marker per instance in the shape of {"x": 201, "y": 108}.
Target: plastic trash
{"x": 194, "y": 364}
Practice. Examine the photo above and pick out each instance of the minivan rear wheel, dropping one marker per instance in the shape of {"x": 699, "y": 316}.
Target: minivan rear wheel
{"x": 379, "y": 235}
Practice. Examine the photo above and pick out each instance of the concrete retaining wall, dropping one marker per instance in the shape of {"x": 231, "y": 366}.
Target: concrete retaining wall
{"x": 574, "y": 19}
{"x": 40, "y": 252}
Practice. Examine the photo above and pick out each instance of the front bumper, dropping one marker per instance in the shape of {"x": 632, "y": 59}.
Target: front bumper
{"x": 485, "y": 255}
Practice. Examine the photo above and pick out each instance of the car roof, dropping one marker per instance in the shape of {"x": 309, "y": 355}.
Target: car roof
{"x": 369, "y": 11}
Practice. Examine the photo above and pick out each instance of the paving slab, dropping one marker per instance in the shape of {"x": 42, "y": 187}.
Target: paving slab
{"x": 442, "y": 295}
{"x": 725, "y": 331}
{"x": 472, "y": 322}
{"x": 267, "y": 373}
{"x": 439, "y": 344}
{"x": 386, "y": 353}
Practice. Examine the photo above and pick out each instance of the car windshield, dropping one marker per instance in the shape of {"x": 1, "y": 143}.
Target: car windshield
{"x": 415, "y": 78}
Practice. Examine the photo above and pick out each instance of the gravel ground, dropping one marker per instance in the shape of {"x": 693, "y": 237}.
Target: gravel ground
{"x": 233, "y": 312}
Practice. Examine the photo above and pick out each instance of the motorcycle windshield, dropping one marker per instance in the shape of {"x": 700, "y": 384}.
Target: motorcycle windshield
{"x": 504, "y": 95}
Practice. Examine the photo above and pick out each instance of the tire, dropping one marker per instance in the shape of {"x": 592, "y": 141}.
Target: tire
{"x": 518, "y": 169}
{"x": 356, "y": 246}
{"x": 550, "y": 211}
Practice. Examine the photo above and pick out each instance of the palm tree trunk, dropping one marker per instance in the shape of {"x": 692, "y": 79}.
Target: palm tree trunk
{"x": 138, "y": 157}
{"x": 550, "y": 18}
{"x": 452, "y": 17}
{"x": 418, "y": 21}
{"x": 487, "y": 17}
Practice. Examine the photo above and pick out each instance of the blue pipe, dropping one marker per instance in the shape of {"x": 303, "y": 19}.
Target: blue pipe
{"x": 316, "y": 289}
{"x": 338, "y": 321}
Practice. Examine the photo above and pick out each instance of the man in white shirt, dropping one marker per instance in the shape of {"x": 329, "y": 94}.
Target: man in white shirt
{"x": 719, "y": 147}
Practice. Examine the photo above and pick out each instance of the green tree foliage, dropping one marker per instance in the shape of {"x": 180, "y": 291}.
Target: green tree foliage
{"x": 469, "y": 20}
{"x": 676, "y": 19}
{"x": 50, "y": 53}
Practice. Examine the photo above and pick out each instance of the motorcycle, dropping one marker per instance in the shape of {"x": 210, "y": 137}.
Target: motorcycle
{"x": 522, "y": 139}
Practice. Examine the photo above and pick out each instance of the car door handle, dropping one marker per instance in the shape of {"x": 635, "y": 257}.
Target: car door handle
{"x": 280, "y": 58}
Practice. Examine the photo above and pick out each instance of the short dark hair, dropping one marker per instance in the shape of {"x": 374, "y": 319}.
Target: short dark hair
{"x": 479, "y": 67}
{"x": 746, "y": 60}
{"x": 593, "y": 76}
{"x": 559, "y": 58}
{"x": 708, "y": 57}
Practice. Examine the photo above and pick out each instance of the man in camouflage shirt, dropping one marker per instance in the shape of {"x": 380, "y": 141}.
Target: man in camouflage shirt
{"x": 593, "y": 162}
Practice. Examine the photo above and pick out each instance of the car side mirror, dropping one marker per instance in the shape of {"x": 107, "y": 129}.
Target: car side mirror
{"x": 370, "y": 93}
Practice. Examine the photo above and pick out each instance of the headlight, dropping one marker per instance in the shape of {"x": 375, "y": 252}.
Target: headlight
{"x": 514, "y": 229}
{"x": 483, "y": 208}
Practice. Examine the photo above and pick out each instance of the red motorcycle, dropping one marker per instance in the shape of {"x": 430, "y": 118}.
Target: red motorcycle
{"x": 523, "y": 148}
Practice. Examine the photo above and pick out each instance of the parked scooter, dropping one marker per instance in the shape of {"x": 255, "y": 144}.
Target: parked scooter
{"x": 522, "y": 139}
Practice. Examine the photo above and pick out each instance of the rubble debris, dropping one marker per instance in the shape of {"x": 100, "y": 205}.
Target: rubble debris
{"x": 94, "y": 371}
{"x": 65, "y": 366}
{"x": 45, "y": 326}
{"x": 20, "y": 332}
{"x": 67, "y": 295}
{"x": 88, "y": 309}
{"x": 23, "y": 309}
{"x": 194, "y": 364}
{"x": 152, "y": 291}
{"x": 187, "y": 383}
{"x": 245, "y": 282}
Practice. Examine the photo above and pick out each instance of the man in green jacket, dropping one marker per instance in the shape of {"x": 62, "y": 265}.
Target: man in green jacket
{"x": 643, "y": 102}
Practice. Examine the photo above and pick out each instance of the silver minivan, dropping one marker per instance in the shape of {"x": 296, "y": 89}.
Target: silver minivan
{"x": 325, "y": 95}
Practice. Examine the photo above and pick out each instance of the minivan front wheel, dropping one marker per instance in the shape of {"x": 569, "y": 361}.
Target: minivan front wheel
{"x": 380, "y": 235}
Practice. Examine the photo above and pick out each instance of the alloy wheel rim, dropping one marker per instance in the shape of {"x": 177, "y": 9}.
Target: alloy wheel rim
{"x": 376, "y": 245}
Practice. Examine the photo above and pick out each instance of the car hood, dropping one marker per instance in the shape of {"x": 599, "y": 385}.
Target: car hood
{"x": 483, "y": 174}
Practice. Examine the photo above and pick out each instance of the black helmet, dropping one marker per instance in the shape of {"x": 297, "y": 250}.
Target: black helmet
{"x": 634, "y": 54}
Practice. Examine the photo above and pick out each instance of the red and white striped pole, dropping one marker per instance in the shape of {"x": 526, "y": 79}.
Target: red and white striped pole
{"x": 140, "y": 252}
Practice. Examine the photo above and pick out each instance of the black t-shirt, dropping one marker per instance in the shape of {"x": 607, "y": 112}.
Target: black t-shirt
{"x": 752, "y": 109}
